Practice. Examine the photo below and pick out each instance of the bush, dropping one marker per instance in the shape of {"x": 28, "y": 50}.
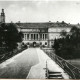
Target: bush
{"x": 68, "y": 47}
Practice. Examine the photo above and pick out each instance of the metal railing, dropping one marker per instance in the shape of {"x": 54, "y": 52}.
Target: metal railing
{"x": 70, "y": 69}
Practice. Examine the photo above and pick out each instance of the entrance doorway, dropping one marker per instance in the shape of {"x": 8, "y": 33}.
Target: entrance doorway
{"x": 34, "y": 44}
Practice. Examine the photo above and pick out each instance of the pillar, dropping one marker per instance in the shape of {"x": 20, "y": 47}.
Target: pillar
{"x": 26, "y": 36}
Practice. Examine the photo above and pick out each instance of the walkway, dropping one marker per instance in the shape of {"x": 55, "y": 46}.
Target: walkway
{"x": 18, "y": 66}
{"x": 38, "y": 71}
{"x": 31, "y": 64}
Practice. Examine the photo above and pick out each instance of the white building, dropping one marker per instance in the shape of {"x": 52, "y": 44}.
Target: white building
{"x": 42, "y": 33}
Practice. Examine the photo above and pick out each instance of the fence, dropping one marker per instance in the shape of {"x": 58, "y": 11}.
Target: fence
{"x": 71, "y": 70}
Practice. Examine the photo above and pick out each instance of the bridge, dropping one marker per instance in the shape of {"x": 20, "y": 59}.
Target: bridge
{"x": 36, "y": 63}
{"x": 71, "y": 70}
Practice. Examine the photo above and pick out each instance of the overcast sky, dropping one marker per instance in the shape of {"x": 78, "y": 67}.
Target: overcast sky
{"x": 41, "y": 10}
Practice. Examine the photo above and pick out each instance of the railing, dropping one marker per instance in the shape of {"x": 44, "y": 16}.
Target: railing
{"x": 71, "y": 70}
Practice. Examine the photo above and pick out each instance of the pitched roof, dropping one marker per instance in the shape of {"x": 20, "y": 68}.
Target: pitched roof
{"x": 42, "y": 25}
{"x": 33, "y": 25}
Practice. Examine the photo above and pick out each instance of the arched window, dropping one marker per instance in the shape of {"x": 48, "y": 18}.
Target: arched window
{"x": 45, "y": 43}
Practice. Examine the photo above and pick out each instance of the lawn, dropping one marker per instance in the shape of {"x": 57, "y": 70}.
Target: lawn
{"x": 75, "y": 62}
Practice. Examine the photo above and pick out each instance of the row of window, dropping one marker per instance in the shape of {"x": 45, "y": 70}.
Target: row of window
{"x": 35, "y": 36}
{"x": 40, "y": 43}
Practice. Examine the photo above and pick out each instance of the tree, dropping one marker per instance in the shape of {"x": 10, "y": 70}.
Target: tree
{"x": 1, "y": 36}
{"x": 63, "y": 33}
{"x": 10, "y": 36}
{"x": 75, "y": 35}
{"x": 68, "y": 47}
{"x": 20, "y": 36}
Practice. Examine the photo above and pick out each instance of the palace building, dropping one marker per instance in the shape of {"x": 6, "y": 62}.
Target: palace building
{"x": 40, "y": 34}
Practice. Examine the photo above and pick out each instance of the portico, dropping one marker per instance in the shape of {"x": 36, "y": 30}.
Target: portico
{"x": 42, "y": 33}
{"x": 35, "y": 36}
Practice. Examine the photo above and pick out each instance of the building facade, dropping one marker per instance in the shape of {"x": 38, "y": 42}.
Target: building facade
{"x": 42, "y": 34}
{"x": 34, "y": 34}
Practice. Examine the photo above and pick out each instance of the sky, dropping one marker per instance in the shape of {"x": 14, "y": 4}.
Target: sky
{"x": 41, "y": 10}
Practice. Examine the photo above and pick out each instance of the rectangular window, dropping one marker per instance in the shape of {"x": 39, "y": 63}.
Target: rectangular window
{"x": 31, "y": 36}
{"x": 45, "y": 43}
{"x": 37, "y": 36}
{"x": 46, "y": 36}
{"x": 28, "y": 36}
{"x": 34, "y": 36}
{"x": 40, "y": 36}
{"x": 43, "y": 36}
{"x": 24, "y": 36}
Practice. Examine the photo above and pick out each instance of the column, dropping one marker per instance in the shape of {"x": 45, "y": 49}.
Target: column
{"x": 44, "y": 37}
{"x": 29, "y": 36}
{"x": 26, "y": 36}
{"x": 33, "y": 36}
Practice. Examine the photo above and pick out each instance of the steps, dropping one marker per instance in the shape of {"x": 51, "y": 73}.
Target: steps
{"x": 54, "y": 75}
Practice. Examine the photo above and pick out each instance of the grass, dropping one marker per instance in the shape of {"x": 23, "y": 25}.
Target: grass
{"x": 75, "y": 62}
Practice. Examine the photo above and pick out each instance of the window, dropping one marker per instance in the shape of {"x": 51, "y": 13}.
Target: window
{"x": 37, "y": 36}
{"x": 28, "y": 36}
{"x": 28, "y": 43}
{"x": 46, "y": 36}
{"x": 34, "y": 36}
{"x": 31, "y": 36}
{"x": 41, "y": 36}
{"x": 24, "y": 36}
{"x": 45, "y": 43}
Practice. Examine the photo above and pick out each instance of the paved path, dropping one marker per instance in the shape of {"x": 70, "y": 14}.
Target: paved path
{"x": 38, "y": 71}
{"x": 19, "y": 66}
{"x": 29, "y": 64}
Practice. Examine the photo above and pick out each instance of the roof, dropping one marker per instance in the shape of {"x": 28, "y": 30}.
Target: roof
{"x": 42, "y": 25}
{"x": 33, "y": 25}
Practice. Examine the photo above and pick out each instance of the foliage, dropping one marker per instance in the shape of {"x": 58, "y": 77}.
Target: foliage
{"x": 9, "y": 36}
{"x": 68, "y": 47}
{"x": 63, "y": 33}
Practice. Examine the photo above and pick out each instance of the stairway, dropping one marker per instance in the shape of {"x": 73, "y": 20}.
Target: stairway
{"x": 54, "y": 75}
